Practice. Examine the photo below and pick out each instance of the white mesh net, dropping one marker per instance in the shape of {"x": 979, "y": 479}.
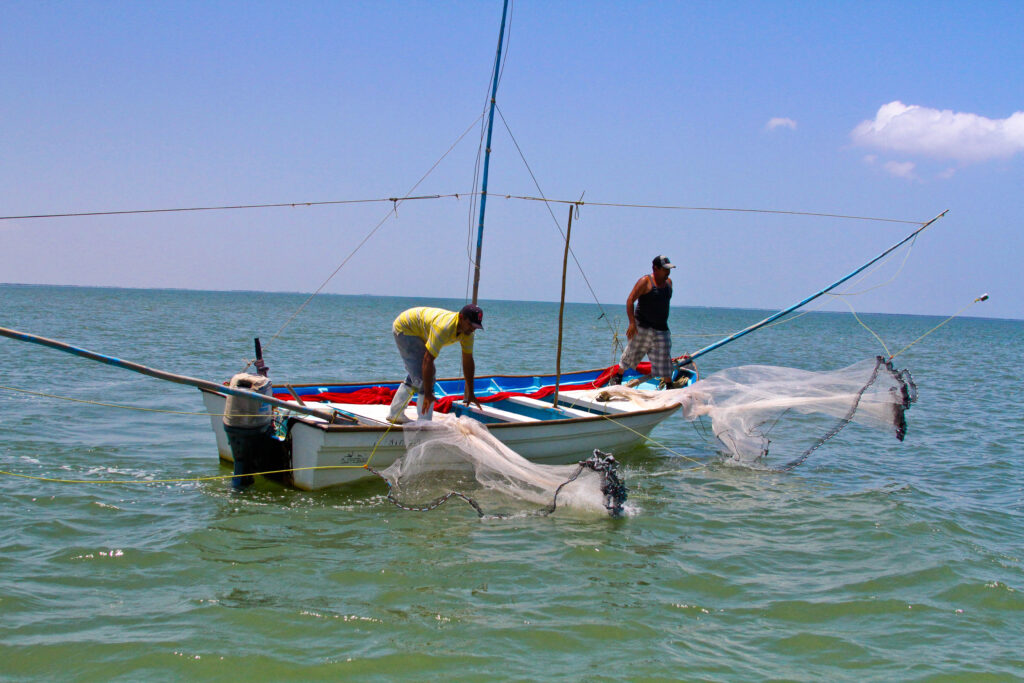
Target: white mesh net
{"x": 749, "y": 407}
{"x": 754, "y": 406}
{"x": 458, "y": 454}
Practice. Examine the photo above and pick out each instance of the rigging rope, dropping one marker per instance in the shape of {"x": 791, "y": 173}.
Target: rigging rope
{"x": 393, "y": 212}
{"x": 292, "y": 205}
{"x": 555, "y": 220}
{"x": 711, "y": 208}
{"x": 459, "y": 195}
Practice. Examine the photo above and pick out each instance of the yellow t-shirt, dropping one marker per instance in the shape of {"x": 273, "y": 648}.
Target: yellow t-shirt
{"x": 435, "y": 326}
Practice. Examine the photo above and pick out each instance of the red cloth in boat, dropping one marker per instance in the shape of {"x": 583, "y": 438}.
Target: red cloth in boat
{"x": 383, "y": 395}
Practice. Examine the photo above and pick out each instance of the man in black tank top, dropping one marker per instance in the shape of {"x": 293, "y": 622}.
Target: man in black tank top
{"x": 648, "y": 331}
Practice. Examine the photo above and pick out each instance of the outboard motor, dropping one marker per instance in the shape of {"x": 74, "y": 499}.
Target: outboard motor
{"x": 249, "y": 425}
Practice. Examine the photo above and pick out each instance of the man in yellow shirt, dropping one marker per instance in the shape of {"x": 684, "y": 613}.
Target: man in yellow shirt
{"x": 420, "y": 334}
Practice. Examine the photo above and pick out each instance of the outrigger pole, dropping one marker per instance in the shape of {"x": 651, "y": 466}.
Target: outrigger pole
{"x": 328, "y": 415}
{"x": 785, "y": 311}
{"x": 487, "y": 157}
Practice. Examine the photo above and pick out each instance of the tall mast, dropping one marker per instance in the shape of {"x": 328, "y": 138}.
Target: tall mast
{"x": 487, "y": 157}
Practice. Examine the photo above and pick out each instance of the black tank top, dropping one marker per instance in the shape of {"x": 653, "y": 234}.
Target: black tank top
{"x": 652, "y": 307}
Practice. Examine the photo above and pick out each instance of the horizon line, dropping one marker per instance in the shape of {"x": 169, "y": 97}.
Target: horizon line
{"x": 449, "y": 298}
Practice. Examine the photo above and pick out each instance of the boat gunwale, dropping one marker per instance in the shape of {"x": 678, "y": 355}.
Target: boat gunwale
{"x": 389, "y": 383}
{"x": 336, "y": 427}
{"x": 495, "y": 425}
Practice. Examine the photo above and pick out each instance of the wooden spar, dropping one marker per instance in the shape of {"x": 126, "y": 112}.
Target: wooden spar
{"x": 561, "y": 310}
{"x": 328, "y": 415}
{"x": 776, "y": 316}
{"x": 487, "y": 157}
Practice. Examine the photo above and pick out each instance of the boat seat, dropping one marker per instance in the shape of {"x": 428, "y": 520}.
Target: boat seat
{"x": 575, "y": 398}
{"x": 367, "y": 415}
{"x": 537, "y": 403}
{"x": 498, "y": 414}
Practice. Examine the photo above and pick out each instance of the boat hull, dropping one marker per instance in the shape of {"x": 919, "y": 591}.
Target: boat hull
{"x": 325, "y": 455}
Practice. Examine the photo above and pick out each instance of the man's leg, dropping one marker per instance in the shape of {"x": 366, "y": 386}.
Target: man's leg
{"x": 396, "y": 413}
{"x": 633, "y": 354}
{"x": 660, "y": 353}
{"x": 411, "y": 349}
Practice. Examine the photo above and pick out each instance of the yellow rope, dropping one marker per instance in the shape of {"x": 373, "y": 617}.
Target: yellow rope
{"x": 181, "y": 480}
{"x": 644, "y": 436}
{"x": 862, "y": 324}
{"x": 906, "y": 257}
{"x": 861, "y": 278}
{"x": 983, "y": 297}
{"x": 657, "y": 443}
{"x": 175, "y": 480}
{"x": 391, "y": 425}
{"x": 820, "y": 303}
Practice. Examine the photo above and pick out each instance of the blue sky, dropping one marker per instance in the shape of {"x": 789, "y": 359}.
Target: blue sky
{"x": 879, "y": 109}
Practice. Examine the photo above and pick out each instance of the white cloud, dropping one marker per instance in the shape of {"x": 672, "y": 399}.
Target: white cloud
{"x": 780, "y": 123}
{"x": 901, "y": 169}
{"x": 941, "y": 134}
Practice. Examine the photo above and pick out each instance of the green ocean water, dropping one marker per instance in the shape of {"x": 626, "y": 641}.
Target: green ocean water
{"x": 874, "y": 560}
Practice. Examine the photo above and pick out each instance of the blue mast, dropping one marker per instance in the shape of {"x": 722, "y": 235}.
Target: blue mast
{"x": 487, "y": 156}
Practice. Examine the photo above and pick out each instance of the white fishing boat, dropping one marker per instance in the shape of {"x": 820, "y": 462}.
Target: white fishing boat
{"x": 318, "y": 452}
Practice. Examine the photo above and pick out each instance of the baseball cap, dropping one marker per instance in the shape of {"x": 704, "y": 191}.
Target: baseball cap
{"x": 662, "y": 262}
{"x": 474, "y": 315}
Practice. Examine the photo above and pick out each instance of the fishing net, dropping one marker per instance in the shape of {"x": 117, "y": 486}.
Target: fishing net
{"x": 457, "y": 457}
{"x": 754, "y": 409}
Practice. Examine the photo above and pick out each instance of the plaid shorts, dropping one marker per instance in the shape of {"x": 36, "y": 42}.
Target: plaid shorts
{"x": 657, "y": 344}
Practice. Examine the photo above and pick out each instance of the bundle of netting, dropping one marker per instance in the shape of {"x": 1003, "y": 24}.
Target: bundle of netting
{"x": 755, "y": 409}
{"x": 456, "y": 457}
